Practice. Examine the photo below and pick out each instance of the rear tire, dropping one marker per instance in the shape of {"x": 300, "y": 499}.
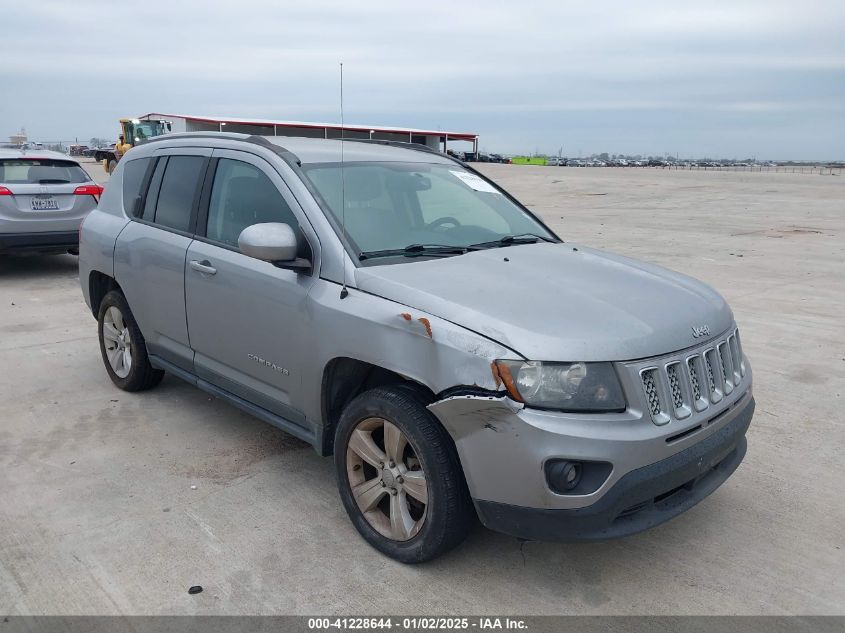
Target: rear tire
{"x": 123, "y": 347}
{"x": 399, "y": 476}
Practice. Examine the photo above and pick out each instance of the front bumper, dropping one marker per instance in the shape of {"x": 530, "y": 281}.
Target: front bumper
{"x": 641, "y": 499}
{"x": 43, "y": 241}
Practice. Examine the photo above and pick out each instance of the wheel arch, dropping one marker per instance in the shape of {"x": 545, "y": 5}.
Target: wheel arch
{"x": 343, "y": 379}
{"x": 99, "y": 285}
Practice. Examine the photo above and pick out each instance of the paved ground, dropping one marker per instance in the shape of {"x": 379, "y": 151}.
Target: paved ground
{"x": 97, "y": 513}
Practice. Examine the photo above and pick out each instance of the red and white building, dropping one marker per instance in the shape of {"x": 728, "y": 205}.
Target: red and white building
{"x": 435, "y": 139}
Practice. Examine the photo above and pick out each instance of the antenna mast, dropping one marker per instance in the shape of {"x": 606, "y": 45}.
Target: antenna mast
{"x": 343, "y": 291}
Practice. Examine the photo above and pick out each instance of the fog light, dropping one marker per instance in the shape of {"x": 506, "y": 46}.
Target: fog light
{"x": 567, "y": 477}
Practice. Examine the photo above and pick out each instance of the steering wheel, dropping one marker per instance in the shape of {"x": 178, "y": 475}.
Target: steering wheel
{"x": 441, "y": 221}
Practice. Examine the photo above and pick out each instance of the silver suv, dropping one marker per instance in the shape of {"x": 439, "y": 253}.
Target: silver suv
{"x": 43, "y": 198}
{"x": 394, "y": 308}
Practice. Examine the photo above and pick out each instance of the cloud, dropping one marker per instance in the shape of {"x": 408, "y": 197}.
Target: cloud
{"x": 522, "y": 74}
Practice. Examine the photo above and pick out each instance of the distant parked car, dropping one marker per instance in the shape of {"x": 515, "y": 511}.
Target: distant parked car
{"x": 498, "y": 158}
{"x": 44, "y": 197}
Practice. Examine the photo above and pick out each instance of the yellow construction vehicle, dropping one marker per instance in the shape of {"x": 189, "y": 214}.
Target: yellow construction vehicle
{"x": 132, "y": 132}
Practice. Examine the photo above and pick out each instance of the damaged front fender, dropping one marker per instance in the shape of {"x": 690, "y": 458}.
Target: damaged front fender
{"x": 464, "y": 415}
{"x": 422, "y": 347}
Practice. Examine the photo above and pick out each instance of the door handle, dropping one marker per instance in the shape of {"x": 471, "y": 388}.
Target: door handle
{"x": 204, "y": 267}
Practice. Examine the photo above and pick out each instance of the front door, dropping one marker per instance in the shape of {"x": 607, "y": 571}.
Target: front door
{"x": 246, "y": 317}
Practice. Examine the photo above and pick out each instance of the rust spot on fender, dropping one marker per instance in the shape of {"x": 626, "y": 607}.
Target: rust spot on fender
{"x": 427, "y": 325}
{"x": 405, "y": 316}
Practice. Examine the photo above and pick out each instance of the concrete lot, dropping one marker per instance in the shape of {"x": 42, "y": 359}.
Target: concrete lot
{"x": 98, "y": 514}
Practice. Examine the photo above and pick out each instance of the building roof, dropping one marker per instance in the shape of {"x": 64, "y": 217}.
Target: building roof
{"x": 307, "y": 150}
{"x": 459, "y": 136}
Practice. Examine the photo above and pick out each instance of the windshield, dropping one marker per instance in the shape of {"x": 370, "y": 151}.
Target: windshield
{"x": 396, "y": 205}
{"x": 146, "y": 129}
{"x": 43, "y": 171}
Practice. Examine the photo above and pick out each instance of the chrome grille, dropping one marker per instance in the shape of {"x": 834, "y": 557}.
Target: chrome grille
{"x": 675, "y": 385}
{"x": 693, "y": 376}
{"x": 715, "y": 373}
{"x": 736, "y": 357}
{"x": 650, "y": 386}
{"x": 727, "y": 366}
{"x": 739, "y": 353}
{"x": 675, "y": 388}
{"x": 710, "y": 379}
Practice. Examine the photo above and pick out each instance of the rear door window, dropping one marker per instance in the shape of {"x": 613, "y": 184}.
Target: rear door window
{"x": 179, "y": 189}
{"x": 134, "y": 177}
{"x": 41, "y": 171}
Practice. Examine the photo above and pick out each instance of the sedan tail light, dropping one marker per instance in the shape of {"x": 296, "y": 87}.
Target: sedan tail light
{"x": 5, "y": 192}
{"x": 89, "y": 190}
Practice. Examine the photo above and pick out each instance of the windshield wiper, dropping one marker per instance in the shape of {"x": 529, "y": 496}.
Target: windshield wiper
{"x": 508, "y": 240}
{"x": 415, "y": 250}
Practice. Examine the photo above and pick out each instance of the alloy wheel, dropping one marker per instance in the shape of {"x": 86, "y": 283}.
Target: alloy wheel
{"x": 386, "y": 479}
{"x": 117, "y": 342}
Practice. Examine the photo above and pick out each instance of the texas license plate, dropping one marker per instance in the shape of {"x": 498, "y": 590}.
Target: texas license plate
{"x": 44, "y": 204}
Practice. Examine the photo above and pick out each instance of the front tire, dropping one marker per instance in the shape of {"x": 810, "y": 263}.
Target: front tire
{"x": 399, "y": 476}
{"x": 123, "y": 347}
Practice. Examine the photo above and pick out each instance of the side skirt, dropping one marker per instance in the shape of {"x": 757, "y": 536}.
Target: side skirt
{"x": 303, "y": 433}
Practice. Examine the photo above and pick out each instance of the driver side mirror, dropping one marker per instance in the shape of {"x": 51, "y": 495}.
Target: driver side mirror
{"x": 272, "y": 242}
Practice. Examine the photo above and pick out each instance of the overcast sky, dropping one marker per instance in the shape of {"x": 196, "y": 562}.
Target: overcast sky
{"x": 731, "y": 79}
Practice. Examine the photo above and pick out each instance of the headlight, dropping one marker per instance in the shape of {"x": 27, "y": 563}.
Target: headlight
{"x": 576, "y": 387}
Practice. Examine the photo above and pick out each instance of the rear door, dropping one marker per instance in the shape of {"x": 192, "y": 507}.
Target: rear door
{"x": 150, "y": 251}
{"x": 43, "y": 194}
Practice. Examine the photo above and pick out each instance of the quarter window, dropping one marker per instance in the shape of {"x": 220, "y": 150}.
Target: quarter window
{"x": 133, "y": 182}
{"x": 243, "y": 195}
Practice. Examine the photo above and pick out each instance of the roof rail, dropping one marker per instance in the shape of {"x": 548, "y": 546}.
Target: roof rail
{"x": 178, "y": 135}
{"x": 406, "y": 145}
{"x": 283, "y": 152}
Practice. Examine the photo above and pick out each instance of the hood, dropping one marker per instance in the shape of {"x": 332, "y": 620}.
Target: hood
{"x": 557, "y": 301}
